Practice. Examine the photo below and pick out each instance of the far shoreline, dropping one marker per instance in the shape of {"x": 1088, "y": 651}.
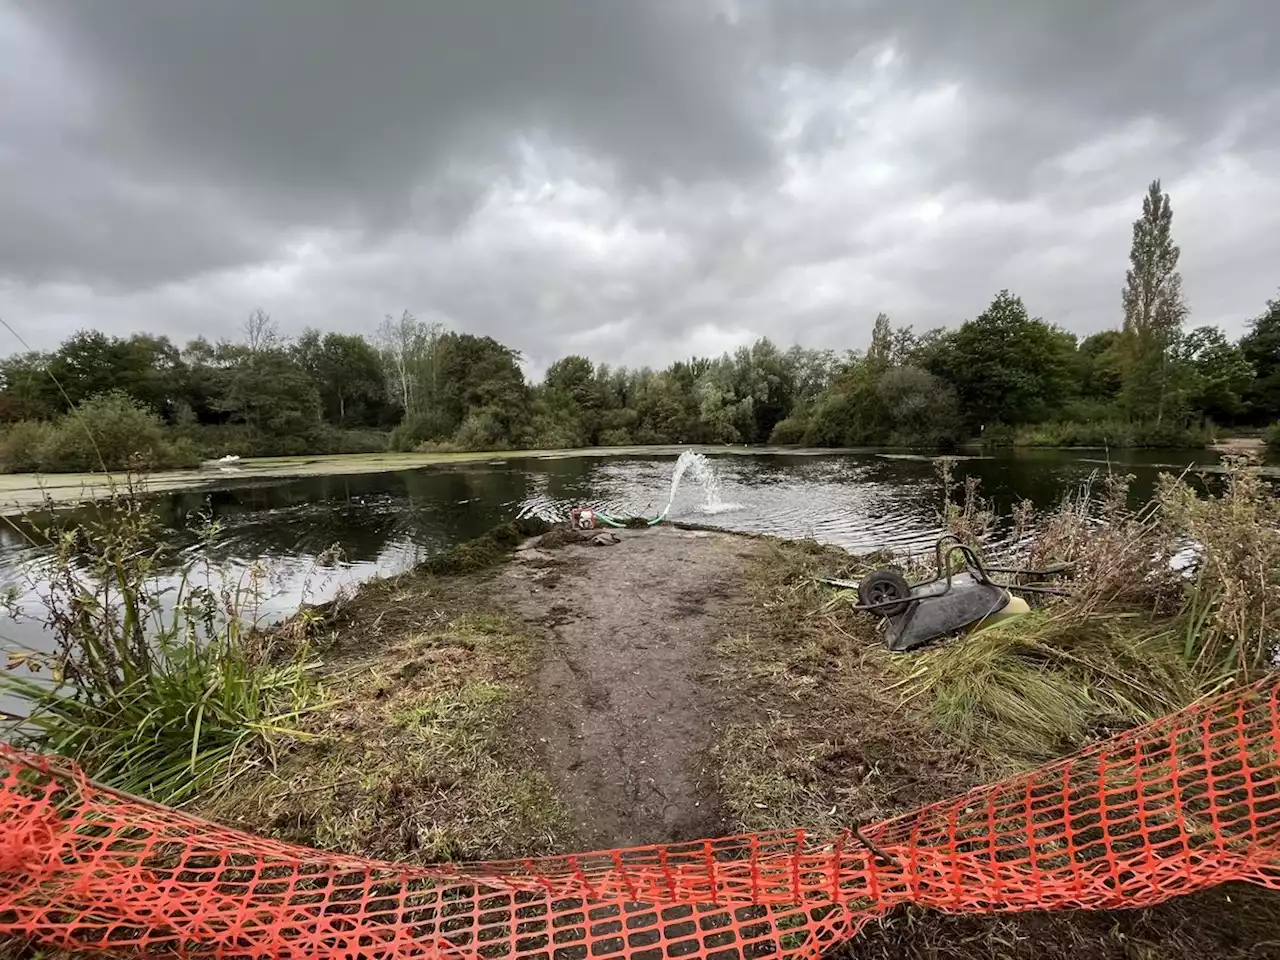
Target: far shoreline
{"x": 20, "y": 492}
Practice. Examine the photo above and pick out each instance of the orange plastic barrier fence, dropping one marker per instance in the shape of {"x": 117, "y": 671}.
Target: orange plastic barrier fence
{"x": 1184, "y": 803}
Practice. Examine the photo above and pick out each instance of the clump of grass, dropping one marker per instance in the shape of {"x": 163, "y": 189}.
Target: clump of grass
{"x": 1035, "y": 687}
{"x": 160, "y": 681}
{"x": 486, "y": 550}
{"x": 1118, "y": 556}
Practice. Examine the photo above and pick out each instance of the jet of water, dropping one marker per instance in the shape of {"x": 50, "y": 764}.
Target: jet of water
{"x": 698, "y": 467}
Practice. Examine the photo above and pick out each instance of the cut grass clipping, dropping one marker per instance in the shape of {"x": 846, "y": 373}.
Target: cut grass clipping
{"x": 425, "y": 756}
{"x": 1038, "y": 686}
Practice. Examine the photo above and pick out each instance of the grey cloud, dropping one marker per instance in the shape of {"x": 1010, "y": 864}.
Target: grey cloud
{"x": 630, "y": 180}
{"x": 323, "y": 108}
{"x": 1058, "y": 72}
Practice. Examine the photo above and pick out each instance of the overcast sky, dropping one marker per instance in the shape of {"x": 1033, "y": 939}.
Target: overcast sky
{"x": 636, "y": 180}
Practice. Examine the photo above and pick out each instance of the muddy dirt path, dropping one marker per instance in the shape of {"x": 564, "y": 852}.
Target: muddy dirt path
{"x": 626, "y": 712}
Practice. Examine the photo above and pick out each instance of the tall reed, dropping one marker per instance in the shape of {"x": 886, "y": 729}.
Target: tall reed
{"x": 161, "y": 680}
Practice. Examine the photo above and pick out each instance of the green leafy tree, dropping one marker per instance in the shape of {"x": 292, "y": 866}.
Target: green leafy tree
{"x": 881, "y": 350}
{"x": 1101, "y": 366}
{"x": 348, "y": 376}
{"x": 1153, "y": 313}
{"x": 1005, "y": 366}
{"x": 268, "y": 392}
{"x": 27, "y": 392}
{"x": 1260, "y": 347}
{"x": 1212, "y": 372}
{"x": 89, "y": 363}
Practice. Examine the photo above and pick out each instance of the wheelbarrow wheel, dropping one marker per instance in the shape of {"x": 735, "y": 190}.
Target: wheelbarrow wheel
{"x": 881, "y": 587}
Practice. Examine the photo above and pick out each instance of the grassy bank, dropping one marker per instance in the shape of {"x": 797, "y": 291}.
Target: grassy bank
{"x": 111, "y": 431}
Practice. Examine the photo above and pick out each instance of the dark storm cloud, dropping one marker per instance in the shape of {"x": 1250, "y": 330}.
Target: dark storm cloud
{"x": 326, "y": 108}
{"x": 636, "y": 181}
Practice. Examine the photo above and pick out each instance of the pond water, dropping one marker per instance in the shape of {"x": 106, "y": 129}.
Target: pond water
{"x": 384, "y": 522}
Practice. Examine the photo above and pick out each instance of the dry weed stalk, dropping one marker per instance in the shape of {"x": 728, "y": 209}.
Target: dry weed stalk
{"x": 1235, "y": 540}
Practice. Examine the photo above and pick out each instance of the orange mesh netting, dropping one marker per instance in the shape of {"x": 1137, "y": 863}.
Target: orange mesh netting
{"x": 1184, "y": 803}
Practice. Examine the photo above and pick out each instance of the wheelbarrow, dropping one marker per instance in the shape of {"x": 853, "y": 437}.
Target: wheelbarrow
{"x": 921, "y": 612}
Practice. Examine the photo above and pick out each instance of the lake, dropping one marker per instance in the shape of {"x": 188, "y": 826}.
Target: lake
{"x": 384, "y": 522}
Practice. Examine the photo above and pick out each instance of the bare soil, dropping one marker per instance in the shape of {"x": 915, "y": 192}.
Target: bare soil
{"x": 625, "y": 709}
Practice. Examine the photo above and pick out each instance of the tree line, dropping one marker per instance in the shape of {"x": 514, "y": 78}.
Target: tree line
{"x": 1004, "y": 376}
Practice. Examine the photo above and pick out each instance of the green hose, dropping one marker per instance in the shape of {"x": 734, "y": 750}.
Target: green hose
{"x": 609, "y": 521}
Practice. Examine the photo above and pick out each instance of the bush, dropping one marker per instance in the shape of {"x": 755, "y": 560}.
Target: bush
{"x": 1111, "y": 433}
{"x": 617, "y": 437}
{"x": 1272, "y": 436}
{"x": 110, "y": 432}
{"x": 1088, "y": 411}
{"x": 158, "y": 690}
{"x": 336, "y": 440}
{"x": 21, "y": 445}
{"x": 1114, "y": 433}
{"x": 549, "y": 434}
{"x": 788, "y": 432}
{"x": 415, "y": 429}
{"x": 481, "y": 431}
{"x": 997, "y": 435}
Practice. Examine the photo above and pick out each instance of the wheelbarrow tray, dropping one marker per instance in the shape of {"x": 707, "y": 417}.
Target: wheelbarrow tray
{"x": 933, "y": 613}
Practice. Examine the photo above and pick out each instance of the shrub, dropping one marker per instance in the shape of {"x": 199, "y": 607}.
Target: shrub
{"x": 997, "y": 435}
{"x": 617, "y": 437}
{"x": 110, "y": 431}
{"x": 788, "y": 432}
{"x": 336, "y": 440}
{"x": 1272, "y": 436}
{"x": 481, "y": 431}
{"x": 1112, "y": 433}
{"x": 549, "y": 434}
{"x": 21, "y": 445}
{"x": 159, "y": 690}
{"x": 415, "y": 429}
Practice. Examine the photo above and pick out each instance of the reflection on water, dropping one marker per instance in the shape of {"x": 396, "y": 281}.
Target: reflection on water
{"x": 384, "y": 522}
